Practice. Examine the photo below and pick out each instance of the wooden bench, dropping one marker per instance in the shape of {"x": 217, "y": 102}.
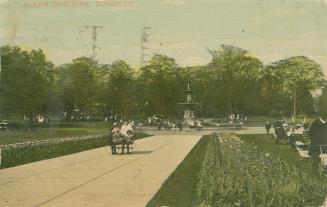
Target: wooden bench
{"x": 323, "y": 155}
{"x": 4, "y": 124}
{"x": 228, "y": 126}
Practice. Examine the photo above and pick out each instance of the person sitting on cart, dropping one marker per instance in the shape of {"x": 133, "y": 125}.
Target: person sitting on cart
{"x": 114, "y": 133}
{"x": 123, "y": 129}
{"x": 127, "y": 133}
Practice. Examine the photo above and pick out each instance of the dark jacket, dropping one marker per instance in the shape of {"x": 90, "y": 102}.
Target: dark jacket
{"x": 280, "y": 133}
{"x": 318, "y": 133}
{"x": 268, "y": 126}
{"x": 110, "y": 135}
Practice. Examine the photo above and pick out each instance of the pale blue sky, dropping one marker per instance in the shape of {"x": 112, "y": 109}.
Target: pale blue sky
{"x": 271, "y": 29}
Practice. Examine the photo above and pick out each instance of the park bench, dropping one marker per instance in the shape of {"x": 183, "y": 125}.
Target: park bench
{"x": 230, "y": 126}
{"x": 4, "y": 124}
{"x": 305, "y": 134}
{"x": 303, "y": 137}
{"x": 323, "y": 154}
{"x": 303, "y": 150}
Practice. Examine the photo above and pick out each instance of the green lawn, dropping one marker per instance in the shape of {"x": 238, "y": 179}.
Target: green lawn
{"x": 288, "y": 153}
{"x": 179, "y": 190}
{"x": 53, "y": 130}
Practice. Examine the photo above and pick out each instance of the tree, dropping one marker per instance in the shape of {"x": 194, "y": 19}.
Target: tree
{"x": 161, "y": 92}
{"x": 237, "y": 74}
{"x": 25, "y": 82}
{"x": 102, "y": 76}
{"x": 77, "y": 86}
{"x": 120, "y": 91}
{"x": 293, "y": 79}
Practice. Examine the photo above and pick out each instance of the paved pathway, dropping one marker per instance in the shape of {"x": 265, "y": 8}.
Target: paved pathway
{"x": 187, "y": 131}
{"x": 96, "y": 178}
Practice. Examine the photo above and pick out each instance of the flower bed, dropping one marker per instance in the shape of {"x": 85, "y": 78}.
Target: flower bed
{"x": 236, "y": 173}
{"x": 31, "y": 151}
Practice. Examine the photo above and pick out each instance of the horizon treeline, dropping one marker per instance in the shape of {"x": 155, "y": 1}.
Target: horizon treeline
{"x": 233, "y": 82}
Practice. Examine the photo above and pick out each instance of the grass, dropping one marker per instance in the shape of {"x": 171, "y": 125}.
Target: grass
{"x": 179, "y": 189}
{"x": 288, "y": 153}
{"x": 52, "y": 130}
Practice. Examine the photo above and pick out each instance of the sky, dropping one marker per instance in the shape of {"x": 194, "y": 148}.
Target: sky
{"x": 270, "y": 29}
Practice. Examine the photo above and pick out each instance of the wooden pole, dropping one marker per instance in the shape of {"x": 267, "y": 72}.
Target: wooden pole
{"x": 294, "y": 99}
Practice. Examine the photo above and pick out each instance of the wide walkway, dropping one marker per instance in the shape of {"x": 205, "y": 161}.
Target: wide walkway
{"x": 95, "y": 177}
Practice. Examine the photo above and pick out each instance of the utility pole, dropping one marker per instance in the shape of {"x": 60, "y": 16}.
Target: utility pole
{"x": 294, "y": 99}
{"x": 94, "y": 33}
{"x": 144, "y": 40}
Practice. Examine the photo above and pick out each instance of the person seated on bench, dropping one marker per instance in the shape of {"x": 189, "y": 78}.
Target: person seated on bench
{"x": 318, "y": 135}
{"x": 299, "y": 129}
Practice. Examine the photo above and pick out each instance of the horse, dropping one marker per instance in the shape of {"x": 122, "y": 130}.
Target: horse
{"x": 124, "y": 140}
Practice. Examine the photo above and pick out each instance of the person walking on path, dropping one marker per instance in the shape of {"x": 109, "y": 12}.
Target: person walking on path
{"x": 180, "y": 126}
{"x": 268, "y": 127}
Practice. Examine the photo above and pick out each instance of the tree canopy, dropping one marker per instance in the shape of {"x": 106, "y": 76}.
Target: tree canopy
{"x": 25, "y": 81}
{"x": 234, "y": 81}
{"x": 237, "y": 78}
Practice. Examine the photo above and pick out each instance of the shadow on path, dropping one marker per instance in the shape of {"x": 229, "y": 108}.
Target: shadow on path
{"x": 136, "y": 153}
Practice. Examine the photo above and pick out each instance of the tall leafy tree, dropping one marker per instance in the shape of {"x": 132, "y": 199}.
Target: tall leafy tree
{"x": 161, "y": 92}
{"x": 77, "y": 86}
{"x": 293, "y": 76}
{"x": 120, "y": 90}
{"x": 102, "y": 76}
{"x": 236, "y": 79}
{"x": 25, "y": 82}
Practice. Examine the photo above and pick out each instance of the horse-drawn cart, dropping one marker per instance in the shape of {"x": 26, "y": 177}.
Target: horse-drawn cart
{"x": 121, "y": 141}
